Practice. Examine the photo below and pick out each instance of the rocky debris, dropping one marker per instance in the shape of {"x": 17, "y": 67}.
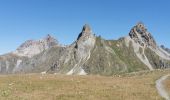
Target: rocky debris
{"x": 33, "y": 47}
{"x": 140, "y": 35}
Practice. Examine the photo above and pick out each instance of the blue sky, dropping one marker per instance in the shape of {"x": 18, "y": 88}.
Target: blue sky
{"x": 21, "y": 20}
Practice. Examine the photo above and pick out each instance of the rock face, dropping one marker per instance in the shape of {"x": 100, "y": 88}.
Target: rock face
{"x": 85, "y": 42}
{"x": 153, "y": 55}
{"x": 140, "y": 34}
{"x": 86, "y": 31}
{"x": 64, "y": 60}
{"x": 33, "y": 47}
{"x": 79, "y": 52}
{"x": 88, "y": 54}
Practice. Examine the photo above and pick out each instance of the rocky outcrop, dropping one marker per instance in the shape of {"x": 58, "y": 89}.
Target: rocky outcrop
{"x": 147, "y": 48}
{"x": 85, "y": 42}
{"x": 86, "y": 31}
{"x": 82, "y": 50}
{"x": 140, "y": 35}
{"x": 33, "y": 47}
{"x": 64, "y": 60}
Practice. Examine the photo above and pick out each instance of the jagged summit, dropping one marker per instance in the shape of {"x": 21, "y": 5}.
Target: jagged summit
{"x": 140, "y": 35}
{"x": 88, "y": 55}
{"x": 86, "y": 31}
{"x": 49, "y": 38}
{"x": 48, "y": 41}
{"x": 33, "y": 47}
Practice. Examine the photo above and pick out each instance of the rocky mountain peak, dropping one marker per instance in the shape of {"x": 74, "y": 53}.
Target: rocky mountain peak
{"x": 85, "y": 42}
{"x": 86, "y": 31}
{"x": 50, "y": 38}
{"x": 51, "y": 41}
{"x": 33, "y": 47}
{"x": 140, "y": 35}
{"x": 48, "y": 41}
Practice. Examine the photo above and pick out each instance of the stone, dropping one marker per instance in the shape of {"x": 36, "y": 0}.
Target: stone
{"x": 86, "y": 31}
{"x": 140, "y": 34}
{"x": 33, "y": 47}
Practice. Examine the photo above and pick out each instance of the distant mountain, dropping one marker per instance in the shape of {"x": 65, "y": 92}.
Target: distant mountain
{"x": 164, "y": 48}
{"x": 33, "y": 47}
{"x": 89, "y": 54}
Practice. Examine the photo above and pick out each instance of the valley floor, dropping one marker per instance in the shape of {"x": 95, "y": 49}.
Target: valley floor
{"x": 134, "y": 86}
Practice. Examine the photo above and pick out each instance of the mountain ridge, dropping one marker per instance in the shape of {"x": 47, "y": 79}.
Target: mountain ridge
{"x": 89, "y": 54}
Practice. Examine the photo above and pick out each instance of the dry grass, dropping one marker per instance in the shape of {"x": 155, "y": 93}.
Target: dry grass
{"x": 58, "y": 87}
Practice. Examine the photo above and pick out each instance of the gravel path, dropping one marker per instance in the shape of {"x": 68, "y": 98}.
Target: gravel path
{"x": 161, "y": 89}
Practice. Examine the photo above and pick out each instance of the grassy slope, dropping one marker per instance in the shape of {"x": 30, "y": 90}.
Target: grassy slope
{"x": 127, "y": 55}
{"x": 113, "y": 57}
{"x": 140, "y": 86}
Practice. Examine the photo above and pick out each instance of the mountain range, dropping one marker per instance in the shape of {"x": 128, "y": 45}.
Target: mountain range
{"x": 88, "y": 54}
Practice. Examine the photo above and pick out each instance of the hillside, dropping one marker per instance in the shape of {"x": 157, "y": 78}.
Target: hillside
{"x": 89, "y": 54}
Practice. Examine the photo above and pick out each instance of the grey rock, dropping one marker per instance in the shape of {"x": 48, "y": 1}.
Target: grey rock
{"x": 140, "y": 34}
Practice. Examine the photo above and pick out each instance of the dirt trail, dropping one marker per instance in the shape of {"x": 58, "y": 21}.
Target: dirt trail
{"x": 161, "y": 88}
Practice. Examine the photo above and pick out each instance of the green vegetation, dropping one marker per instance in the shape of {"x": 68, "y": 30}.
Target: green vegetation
{"x": 113, "y": 57}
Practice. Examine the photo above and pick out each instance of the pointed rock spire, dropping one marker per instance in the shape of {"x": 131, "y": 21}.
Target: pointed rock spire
{"x": 86, "y": 31}
{"x": 140, "y": 35}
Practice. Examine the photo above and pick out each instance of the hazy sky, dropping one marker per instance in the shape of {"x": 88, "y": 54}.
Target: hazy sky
{"x": 21, "y": 20}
